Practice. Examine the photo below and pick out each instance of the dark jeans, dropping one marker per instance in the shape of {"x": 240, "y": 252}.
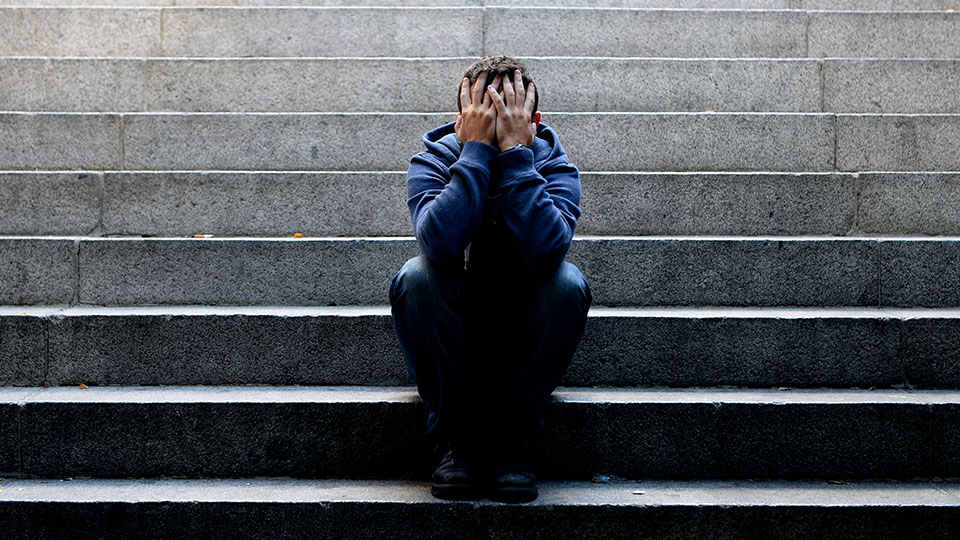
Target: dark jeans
{"x": 486, "y": 351}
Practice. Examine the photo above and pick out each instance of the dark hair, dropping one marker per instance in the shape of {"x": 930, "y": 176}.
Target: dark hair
{"x": 498, "y": 65}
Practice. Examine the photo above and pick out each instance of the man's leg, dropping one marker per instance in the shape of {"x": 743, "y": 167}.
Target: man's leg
{"x": 547, "y": 324}
{"x": 427, "y": 314}
{"x": 545, "y": 327}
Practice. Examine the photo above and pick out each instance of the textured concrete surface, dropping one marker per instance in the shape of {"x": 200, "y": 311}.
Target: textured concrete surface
{"x": 931, "y": 353}
{"x": 751, "y": 347}
{"x": 288, "y": 437}
{"x": 403, "y": 32}
{"x": 883, "y": 35}
{"x": 754, "y": 440}
{"x": 891, "y": 86}
{"x": 878, "y": 5}
{"x": 946, "y": 438}
{"x": 37, "y": 271}
{"x": 717, "y": 204}
{"x": 729, "y": 272}
{"x": 71, "y": 84}
{"x": 400, "y": 84}
{"x": 375, "y": 433}
{"x": 704, "y": 142}
{"x": 308, "y": 85}
{"x": 59, "y": 141}
{"x": 9, "y": 438}
{"x": 909, "y": 203}
{"x": 755, "y": 351}
{"x": 357, "y": 271}
{"x": 225, "y": 349}
{"x": 263, "y": 272}
{"x": 275, "y": 141}
{"x": 23, "y": 350}
{"x": 610, "y": 84}
{"x": 920, "y": 273}
{"x": 314, "y": 204}
{"x": 291, "y": 508}
{"x": 49, "y": 203}
{"x": 53, "y": 31}
{"x": 668, "y": 33}
{"x": 898, "y": 143}
{"x": 858, "y": 5}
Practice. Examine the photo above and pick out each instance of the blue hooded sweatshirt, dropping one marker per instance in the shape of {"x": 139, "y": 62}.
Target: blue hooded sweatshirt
{"x": 509, "y": 211}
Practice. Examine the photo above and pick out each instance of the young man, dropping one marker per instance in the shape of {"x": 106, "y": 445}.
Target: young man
{"x": 489, "y": 315}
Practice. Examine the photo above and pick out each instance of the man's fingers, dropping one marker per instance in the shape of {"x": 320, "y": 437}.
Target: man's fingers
{"x": 465, "y": 94}
{"x": 508, "y": 96}
{"x": 518, "y": 85}
{"x": 487, "y": 100}
{"x": 528, "y": 102}
{"x": 495, "y": 99}
{"x": 478, "y": 88}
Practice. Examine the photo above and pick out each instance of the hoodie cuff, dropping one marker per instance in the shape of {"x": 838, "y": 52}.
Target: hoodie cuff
{"x": 516, "y": 162}
{"x": 478, "y": 153}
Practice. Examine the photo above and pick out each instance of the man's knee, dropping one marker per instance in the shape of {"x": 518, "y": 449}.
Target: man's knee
{"x": 422, "y": 280}
{"x": 569, "y": 287}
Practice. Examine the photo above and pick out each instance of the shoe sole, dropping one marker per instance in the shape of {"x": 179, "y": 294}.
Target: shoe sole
{"x": 456, "y": 492}
{"x": 514, "y": 495}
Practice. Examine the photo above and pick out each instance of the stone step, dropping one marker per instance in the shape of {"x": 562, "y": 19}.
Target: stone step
{"x": 424, "y": 85}
{"x": 290, "y": 508}
{"x": 474, "y": 31}
{"x": 170, "y": 203}
{"x": 366, "y": 432}
{"x": 825, "y": 5}
{"x": 677, "y": 347}
{"x": 622, "y": 271}
{"x": 594, "y": 141}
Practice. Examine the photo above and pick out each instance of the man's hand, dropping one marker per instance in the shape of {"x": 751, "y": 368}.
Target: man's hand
{"x": 477, "y": 120}
{"x": 515, "y": 124}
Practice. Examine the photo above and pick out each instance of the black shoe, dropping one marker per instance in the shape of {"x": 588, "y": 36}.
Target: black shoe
{"x": 511, "y": 479}
{"x": 455, "y": 477}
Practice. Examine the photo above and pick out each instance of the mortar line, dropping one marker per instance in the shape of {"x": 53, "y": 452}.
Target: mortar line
{"x": 823, "y": 85}
{"x": 123, "y": 143}
{"x": 857, "y": 192}
{"x": 76, "y": 272}
{"x": 901, "y": 347}
{"x": 20, "y": 439}
{"x": 163, "y": 15}
{"x": 806, "y": 34}
{"x": 101, "y": 183}
{"x": 836, "y": 142}
{"x": 47, "y": 323}
{"x": 879, "y": 273}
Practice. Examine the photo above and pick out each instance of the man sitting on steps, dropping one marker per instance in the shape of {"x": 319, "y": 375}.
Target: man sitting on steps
{"x": 489, "y": 315}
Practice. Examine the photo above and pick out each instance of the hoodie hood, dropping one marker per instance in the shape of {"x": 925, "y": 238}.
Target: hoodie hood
{"x": 442, "y": 142}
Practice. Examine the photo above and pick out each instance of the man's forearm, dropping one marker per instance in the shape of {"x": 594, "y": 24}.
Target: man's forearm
{"x": 446, "y": 216}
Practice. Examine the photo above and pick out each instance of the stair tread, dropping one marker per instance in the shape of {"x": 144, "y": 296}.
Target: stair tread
{"x": 404, "y": 394}
{"x": 681, "y": 312}
{"x": 816, "y": 493}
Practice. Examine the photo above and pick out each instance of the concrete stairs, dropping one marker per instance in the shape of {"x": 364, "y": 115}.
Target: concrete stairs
{"x": 771, "y": 231}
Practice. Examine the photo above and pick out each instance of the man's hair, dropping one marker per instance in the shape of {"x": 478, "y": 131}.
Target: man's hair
{"x": 498, "y": 65}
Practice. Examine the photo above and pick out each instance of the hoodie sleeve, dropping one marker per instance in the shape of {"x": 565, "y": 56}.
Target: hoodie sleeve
{"x": 540, "y": 208}
{"x": 446, "y": 204}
